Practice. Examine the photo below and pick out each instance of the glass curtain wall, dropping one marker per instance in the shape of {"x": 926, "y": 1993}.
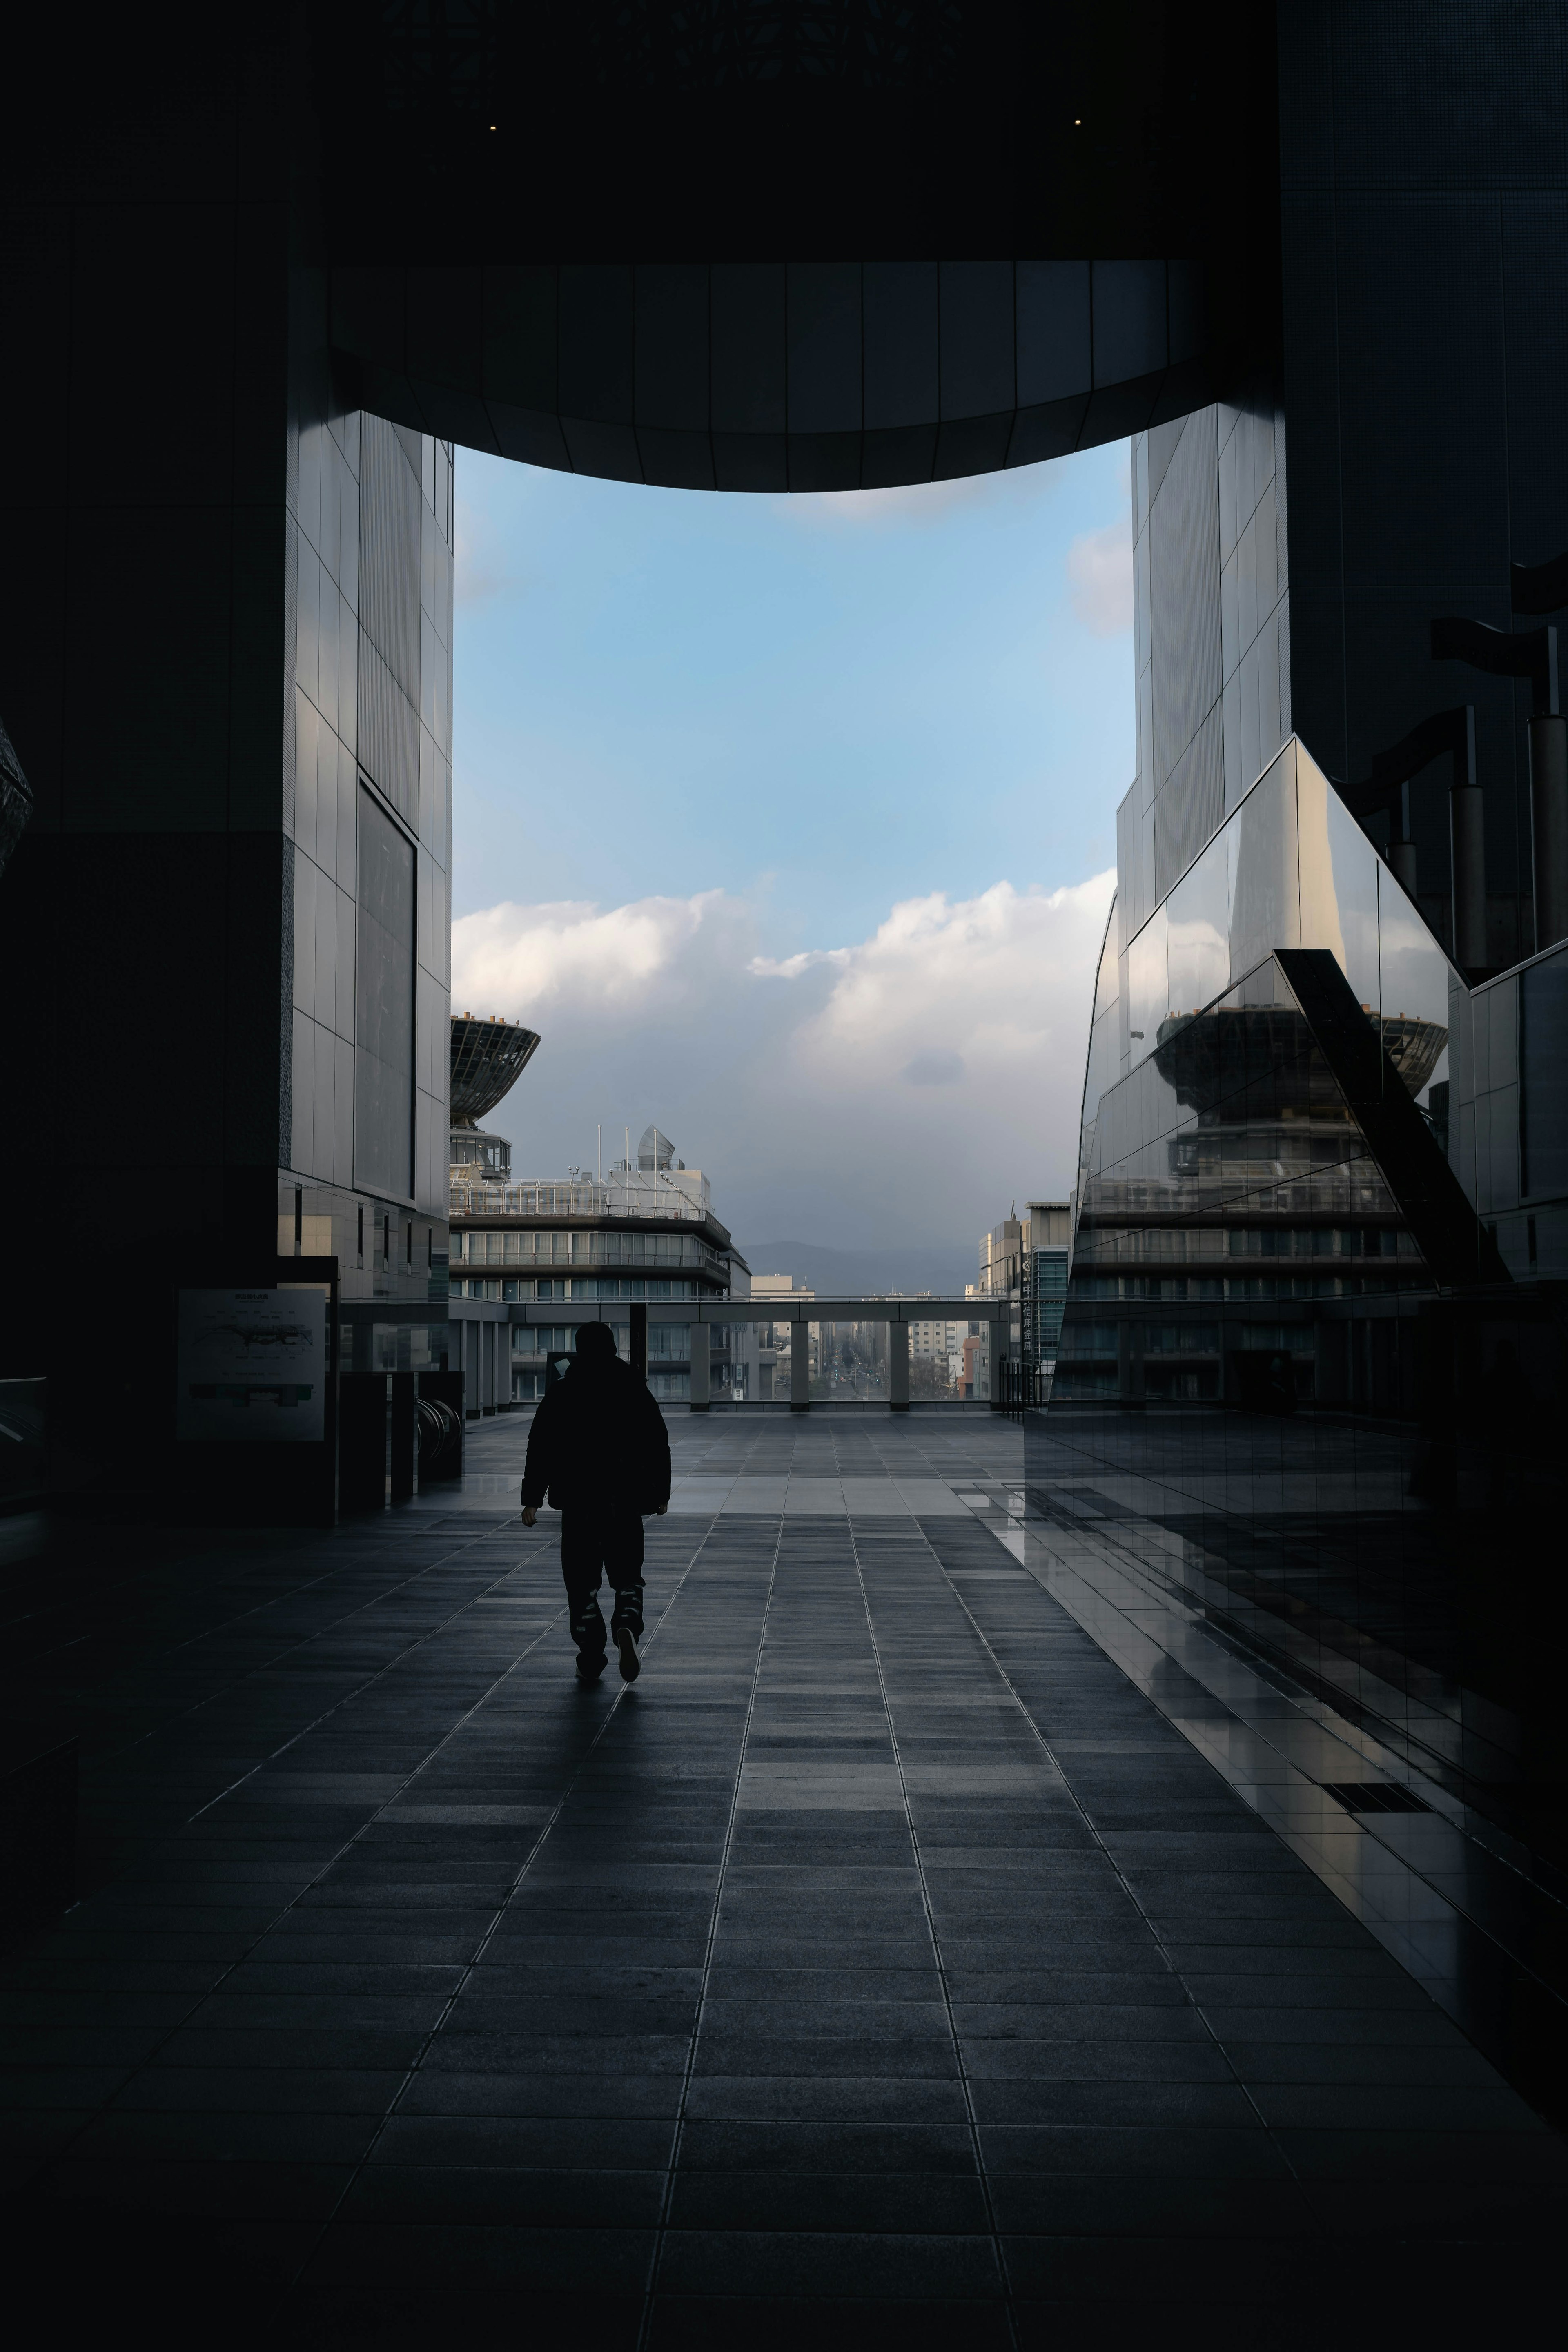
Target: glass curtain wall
{"x": 1295, "y": 1388}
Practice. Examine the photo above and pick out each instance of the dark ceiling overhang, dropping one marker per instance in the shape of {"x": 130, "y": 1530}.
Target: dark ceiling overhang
{"x": 771, "y": 244}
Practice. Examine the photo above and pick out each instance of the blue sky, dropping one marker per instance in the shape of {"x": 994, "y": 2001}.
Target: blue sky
{"x": 708, "y": 748}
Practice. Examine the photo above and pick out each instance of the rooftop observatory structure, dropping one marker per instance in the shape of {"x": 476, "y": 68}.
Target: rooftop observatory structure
{"x": 489, "y": 1056}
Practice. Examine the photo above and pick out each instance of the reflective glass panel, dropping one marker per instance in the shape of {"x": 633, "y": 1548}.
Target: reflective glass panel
{"x": 1197, "y": 932}
{"x": 1148, "y": 986}
{"x": 1265, "y": 911}
{"x": 1338, "y": 882}
{"x": 1418, "y": 983}
{"x": 1543, "y": 1075}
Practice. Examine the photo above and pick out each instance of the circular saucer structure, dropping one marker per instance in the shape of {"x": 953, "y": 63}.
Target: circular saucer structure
{"x": 1260, "y": 1058}
{"x": 488, "y": 1059}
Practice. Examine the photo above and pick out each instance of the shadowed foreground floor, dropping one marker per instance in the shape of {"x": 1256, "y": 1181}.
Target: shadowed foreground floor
{"x": 884, "y": 1963}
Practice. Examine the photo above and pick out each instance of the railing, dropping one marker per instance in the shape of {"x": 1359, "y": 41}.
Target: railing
{"x": 683, "y": 1195}
{"x": 1018, "y": 1388}
{"x": 790, "y": 1352}
{"x": 551, "y": 1249}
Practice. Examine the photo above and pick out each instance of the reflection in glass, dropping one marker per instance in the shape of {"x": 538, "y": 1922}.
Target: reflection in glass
{"x": 1265, "y": 907}
{"x": 1148, "y": 986}
{"x": 1337, "y": 881}
{"x": 1419, "y": 987}
{"x": 1282, "y": 1419}
{"x": 1197, "y": 932}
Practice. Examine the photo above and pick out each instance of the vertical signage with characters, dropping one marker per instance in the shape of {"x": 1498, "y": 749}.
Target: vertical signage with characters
{"x": 253, "y": 1366}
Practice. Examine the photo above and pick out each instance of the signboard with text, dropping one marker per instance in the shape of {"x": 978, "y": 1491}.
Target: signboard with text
{"x": 253, "y": 1366}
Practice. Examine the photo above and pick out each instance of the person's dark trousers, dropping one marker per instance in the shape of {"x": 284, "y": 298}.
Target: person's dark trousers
{"x": 597, "y": 1543}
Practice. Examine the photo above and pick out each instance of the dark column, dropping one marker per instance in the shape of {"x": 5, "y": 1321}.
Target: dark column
{"x": 800, "y": 1366}
{"x": 403, "y": 1435}
{"x": 363, "y": 1429}
{"x": 899, "y": 1367}
{"x": 1549, "y": 826}
{"x": 701, "y": 1377}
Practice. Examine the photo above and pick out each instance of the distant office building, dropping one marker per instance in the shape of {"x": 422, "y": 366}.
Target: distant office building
{"x": 641, "y": 1234}
{"x": 936, "y": 1356}
{"x": 772, "y": 1340}
{"x": 1001, "y": 1258}
{"x": 1045, "y": 1257}
{"x": 1001, "y": 1277}
{"x": 1027, "y": 1259}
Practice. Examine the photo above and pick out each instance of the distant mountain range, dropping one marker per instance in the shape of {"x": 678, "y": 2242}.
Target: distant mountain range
{"x": 865, "y": 1272}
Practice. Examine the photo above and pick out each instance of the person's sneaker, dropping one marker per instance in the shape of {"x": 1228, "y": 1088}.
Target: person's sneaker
{"x": 627, "y": 1642}
{"x": 590, "y": 1669}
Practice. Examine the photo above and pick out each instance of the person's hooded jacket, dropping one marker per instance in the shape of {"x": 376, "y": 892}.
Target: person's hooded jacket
{"x": 598, "y": 1441}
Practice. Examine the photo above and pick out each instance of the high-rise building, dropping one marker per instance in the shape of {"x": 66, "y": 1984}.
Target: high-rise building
{"x": 1001, "y": 1254}
{"x": 1316, "y": 1322}
{"x": 243, "y": 345}
{"x": 1045, "y": 1252}
{"x": 641, "y": 1234}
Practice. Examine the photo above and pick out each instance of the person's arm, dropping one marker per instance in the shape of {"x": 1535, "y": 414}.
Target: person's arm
{"x": 654, "y": 1437}
{"x": 541, "y": 1452}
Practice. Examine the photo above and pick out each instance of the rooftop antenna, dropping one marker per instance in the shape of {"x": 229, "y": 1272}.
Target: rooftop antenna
{"x": 599, "y": 1155}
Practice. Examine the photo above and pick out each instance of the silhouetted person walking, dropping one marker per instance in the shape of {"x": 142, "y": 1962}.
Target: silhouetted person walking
{"x": 598, "y": 1452}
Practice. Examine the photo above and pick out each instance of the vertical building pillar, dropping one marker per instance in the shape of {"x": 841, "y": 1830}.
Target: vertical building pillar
{"x": 701, "y": 1367}
{"x": 1549, "y": 826}
{"x": 800, "y": 1366}
{"x": 1467, "y": 817}
{"x": 1402, "y": 859}
{"x": 639, "y": 1342}
{"x": 404, "y": 1437}
{"x": 899, "y": 1367}
{"x": 1467, "y": 838}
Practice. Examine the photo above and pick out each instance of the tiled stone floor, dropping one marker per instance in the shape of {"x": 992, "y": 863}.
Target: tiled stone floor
{"x": 884, "y": 1963}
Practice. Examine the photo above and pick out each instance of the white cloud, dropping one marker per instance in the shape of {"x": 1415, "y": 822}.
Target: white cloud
{"x": 791, "y": 967}
{"x": 902, "y": 1086}
{"x": 526, "y": 959}
{"x": 1099, "y": 576}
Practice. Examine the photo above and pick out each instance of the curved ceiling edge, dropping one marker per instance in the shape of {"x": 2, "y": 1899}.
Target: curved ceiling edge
{"x": 776, "y": 376}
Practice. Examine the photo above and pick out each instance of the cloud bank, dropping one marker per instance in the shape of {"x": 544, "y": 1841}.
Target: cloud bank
{"x": 904, "y": 1087}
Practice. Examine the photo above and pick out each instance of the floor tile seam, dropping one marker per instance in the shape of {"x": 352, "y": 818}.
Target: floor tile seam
{"x": 1385, "y": 1925}
{"x": 344, "y": 1698}
{"x": 278, "y": 1916}
{"x": 289, "y": 1649}
{"x": 369, "y": 1682}
{"x": 174, "y": 1649}
{"x": 428, "y": 2040}
{"x": 998, "y": 2249}
{"x": 1177, "y": 1971}
{"x": 645, "y": 2325}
